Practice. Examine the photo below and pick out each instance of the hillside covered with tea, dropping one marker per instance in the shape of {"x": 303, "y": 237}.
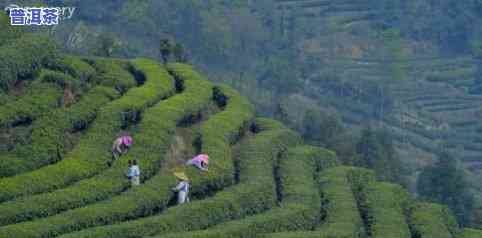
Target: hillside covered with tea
{"x": 59, "y": 115}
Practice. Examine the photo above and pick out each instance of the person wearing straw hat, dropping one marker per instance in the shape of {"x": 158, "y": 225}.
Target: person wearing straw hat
{"x": 200, "y": 161}
{"x": 182, "y": 187}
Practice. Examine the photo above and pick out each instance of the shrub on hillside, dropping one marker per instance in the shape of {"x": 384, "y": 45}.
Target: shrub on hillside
{"x": 156, "y": 130}
{"x": 432, "y": 220}
{"x": 37, "y": 101}
{"x": 20, "y": 59}
{"x": 90, "y": 156}
{"x": 48, "y": 143}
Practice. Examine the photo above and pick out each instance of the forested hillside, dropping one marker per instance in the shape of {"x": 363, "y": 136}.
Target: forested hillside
{"x": 389, "y": 85}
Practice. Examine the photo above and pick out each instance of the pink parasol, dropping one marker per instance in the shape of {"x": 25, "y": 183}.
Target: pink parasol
{"x": 127, "y": 140}
{"x": 202, "y": 157}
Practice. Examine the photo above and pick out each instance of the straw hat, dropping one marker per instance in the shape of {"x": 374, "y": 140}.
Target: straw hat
{"x": 181, "y": 176}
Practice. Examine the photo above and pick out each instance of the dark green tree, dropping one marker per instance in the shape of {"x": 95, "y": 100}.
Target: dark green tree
{"x": 281, "y": 114}
{"x": 311, "y": 125}
{"x": 369, "y": 148}
{"x": 390, "y": 167}
{"x": 334, "y": 136}
{"x": 377, "y": 151}
{"x": 8, "y": 32}
{"x": 327, "y": 130}
{"x": 344, "y": 145}
{"x": 165, "y": 50}
{"x": 446, "y": 182}
{"x": 179, "y": 53}
{"x": 106, "y": 45}
{"x": 280, "y": 76}
{"x": 330, "y": 129}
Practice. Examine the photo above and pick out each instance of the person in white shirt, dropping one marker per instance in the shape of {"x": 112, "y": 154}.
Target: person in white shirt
{"x": 129, "y": 170}
{"x": 182, "y": 188}
{"x": 134, "y": 173}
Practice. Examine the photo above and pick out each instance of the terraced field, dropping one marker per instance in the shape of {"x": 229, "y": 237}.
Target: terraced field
{"x": 430, "y": 111}
{"x": 438, "y": 100}
{"x": 262, "y": 182}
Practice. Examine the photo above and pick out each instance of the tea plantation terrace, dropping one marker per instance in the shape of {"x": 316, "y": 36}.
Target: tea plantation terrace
{"x": 262, "y": 180}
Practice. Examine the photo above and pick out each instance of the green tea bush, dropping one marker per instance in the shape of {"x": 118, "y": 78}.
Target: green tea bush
{"x": 310, "y": 160}
{"x": 359, "y": 178}
{"x": 382, "y": 205}
{"x": 47, "y": 140}
{"x": 235, "y": 118}
{"x": 155, "y": 193}
{"x": 48, "y": 143}
{"x": 300, "y": 206}
{"x": 255, "y": 193}
{"x": 432, "y": 221}
{"x": 90, "y": 156}
{"x": 323, "y": 158}
{"x": 77, "y": 68}
{"x": 339, "y": 205}
{"x": 114, "y": 74}
{"x": 5, "y": 97}
{"x": 290, "y": 217}
{"x": 38, "y": 99}
{"x": 152, "y": 142}
{"x": 266, "y": 124}
{"x": 341, "y": 216}
{"x": 20, "y": 59}
{"x": 64, "y": 81}
{"x": 470, "y": 233}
